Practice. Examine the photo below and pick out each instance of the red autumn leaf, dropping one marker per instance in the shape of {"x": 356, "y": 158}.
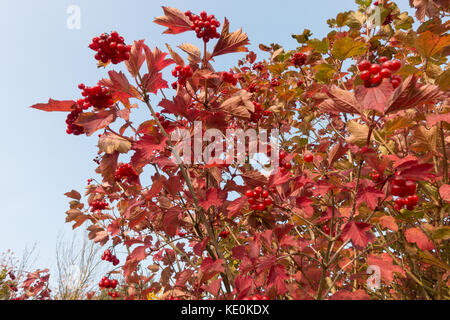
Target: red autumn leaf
{"x": 209, "y": 268}
{"x": 417, "y": 172}
{"x": 137, "y": 58}
{"x": 145, "y": 149}
{"x": 175, "y": 21}
{"x": 212, "y": 199}
{"x": 387, "y": 268}
{"x": 340, "y": 101}
{"x": 444, "y": 191}
{"x": 153, "y": 82}
{"x": 171, "y": 221}
{"x": 359, "y": 294}
{"x": 156, "y": 60}
{"x": 120, "y": 88}
{"x": 73, "y": 194}
{"x": 374, "y": 98}
{"x": 417, "y": 236}
{"x": 93, "y": 121}
{"x": 230, "y": 42}
{"x": 370, "y": 196}
{"x": 114, "y": 228}
{"x": 432, "y": 119}
{"x": 276, "y": 277}
{"x": 108, "y": 166}
{"x": 358, "y": 233}
{"x": 138, "y": 254}
{"x": 199, "y": 247}
{"x": 305, "y": 204}
{"x": 236, "y": 206}
{"x": 55, "y": 105}
{"x": 389, "y": 222}
{"x": 336, "y": 153}
{"x": 409, "y": 95}
{"x": 183, "y": 277}
{"x": 213, "y": 287}
{"x": 179, "y": 106}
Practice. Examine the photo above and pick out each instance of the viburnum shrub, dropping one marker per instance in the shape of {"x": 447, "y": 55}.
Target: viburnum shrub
{"x": 357, "y": 207}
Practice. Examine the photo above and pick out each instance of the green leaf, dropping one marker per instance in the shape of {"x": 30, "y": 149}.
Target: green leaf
{"x": 442, "y": 233}
{"x": 324, "y": 72}
{"x": 364, "y": 4}
{"x": 347, "y": 47}
{"x": 302, "y": 38}
{"x": 319, "y": 45}
{"x": 403, "y": 21}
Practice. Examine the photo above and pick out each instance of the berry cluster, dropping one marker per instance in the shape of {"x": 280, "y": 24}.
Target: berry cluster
{"x": 73, "y": 128}
{"x": 373, "y": 73}
{"x": 108, "y": 256}
{"x": 258, "y": 199}
{"x": 106, "y": 283}
{"x": 375, "y": 176}
{"x": 406, "y": 191}
{"x": 126, "y": 171}
{"x": 252, "y": 88}
{"x": 284, "y": 165}
{"x": 164, "y": 122}
{"x": 182, "y": 73}
{"x": 275, "y": 82}
{"x": 113, "y": 294}
{"x": 256, "y": 297}
{"x": 229, "y": 77}
{"x": 204, "y": 26}
{"x": 298, "y": 59}
{"x": 98, "y": 97}
{"x": 110, "y": 48}
{"x": 258, "y": 112}
{"x": 98, "y": 205}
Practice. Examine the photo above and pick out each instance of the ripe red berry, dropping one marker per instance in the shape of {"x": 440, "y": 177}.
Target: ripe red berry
{"x": 249, "y": 194}
{"x": 365, "y": 75}
{"x": 376, "y": 79}
{"x": 382, "y": 60}
{"x": 308, "y": 157}
{"x": 364, "y": 65}
{"x": 399, "y": 181}
{"x": 397, "y": 191}
{"x": 385, "y": 73}
{"x": 374, "y": 68}
{"x": 395, "y": 65}
{"x": 265, "y": 194}
{"x": 410, "y": 187}
{"x": 412, "y": 200}
{"x": 261, "y": 207}
{"x": 267, "y": 201}
{"x": 395, "y": 83}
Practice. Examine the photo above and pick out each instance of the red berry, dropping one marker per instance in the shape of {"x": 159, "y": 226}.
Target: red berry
{"x": 397, "y": 191}
{"x": 410, "y": 187}
{"x": 399, "y": 181}
{"x": 376, "y": 79}
{"x": 383, "y": 59}
{"x": 365, "y": 75}
{"x": 308, "y": 157}
{"x": 261, "y": 207}
{"x": 375, "y": 68}
{"x": 385, "y": 73}
{"x": 395, "y": 83}
{"x": 395, "y": 65}
{"x": 364, "y": 65}
{"x": 267, "y": 201}
{"x": 251, "y": 201}
{"x": 249, "y": 194}
{"x": 265, "y": 194}
{"x": 412, "y": 200}
{"x": 258, "y": 190}
{"x": 282, "y": 154}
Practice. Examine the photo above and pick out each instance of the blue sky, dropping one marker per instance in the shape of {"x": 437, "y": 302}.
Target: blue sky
{"x": 42, "y": 58}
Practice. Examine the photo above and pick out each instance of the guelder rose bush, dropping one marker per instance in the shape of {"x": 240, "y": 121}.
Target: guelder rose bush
{"x": 358, "y": 206}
